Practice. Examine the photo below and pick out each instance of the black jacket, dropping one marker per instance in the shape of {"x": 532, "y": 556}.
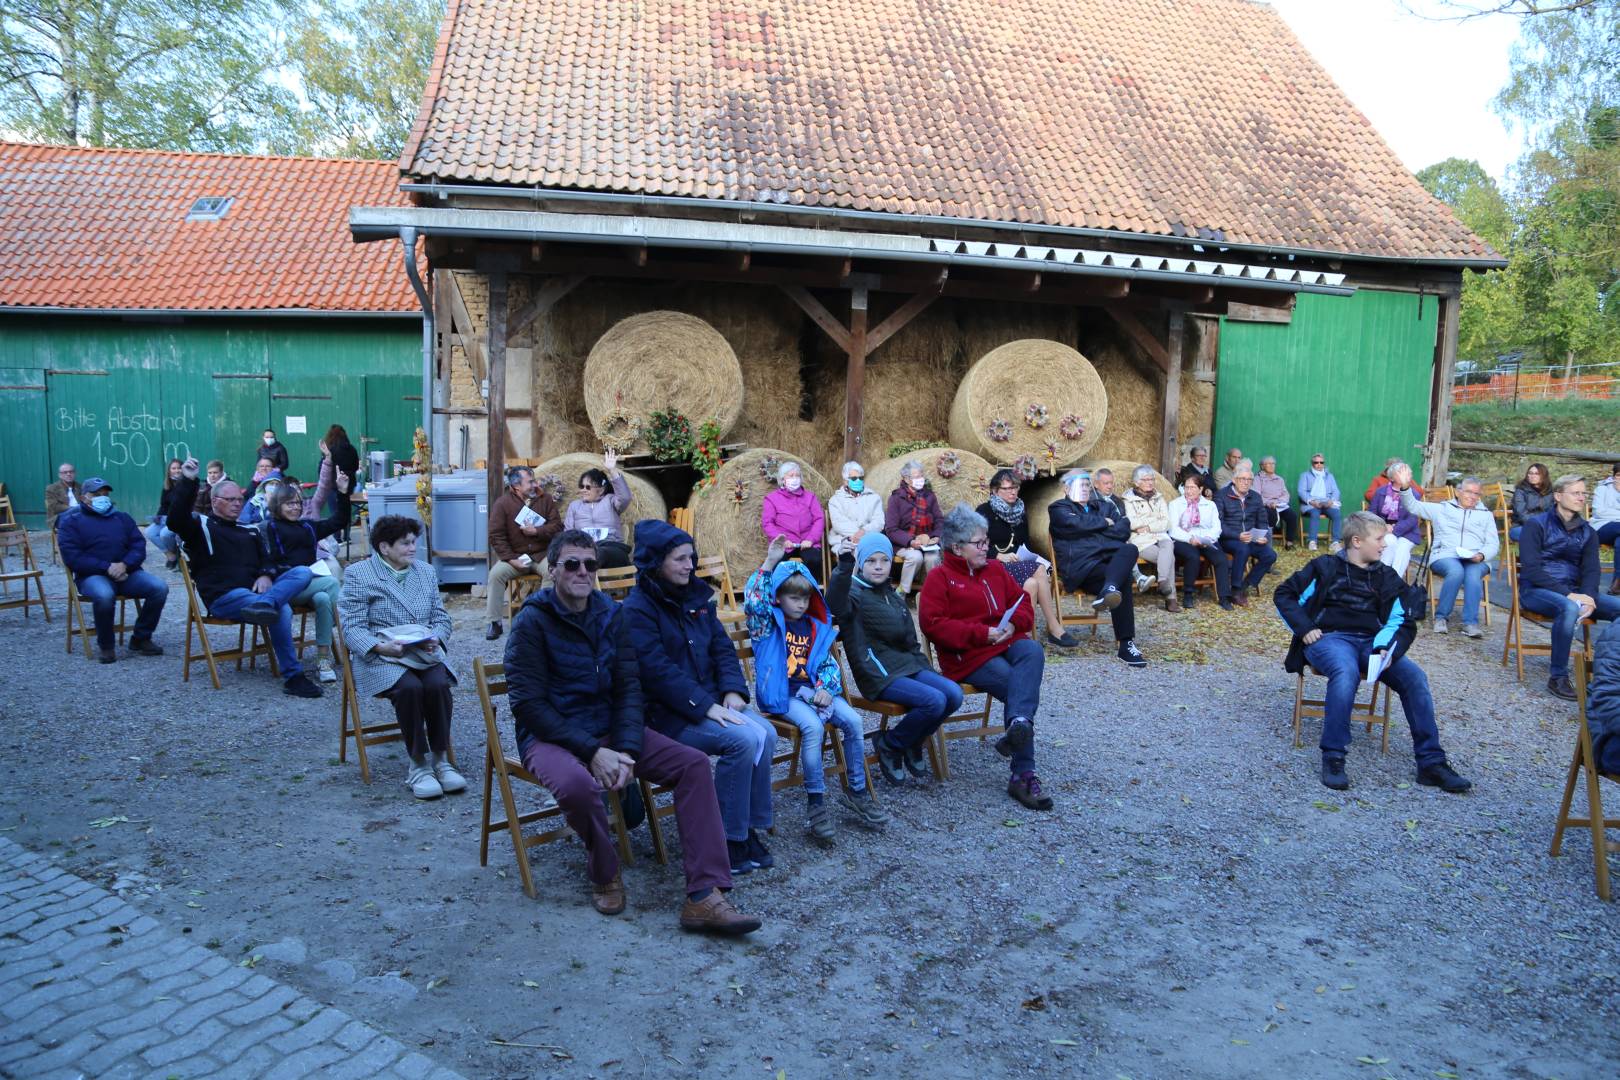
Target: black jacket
{"x": 1300, "y": 599}
{"x": 1603, "y": 700}
{"x": 275, "y": 452}
{"x": 572, "y": 678}
{"x": 1206, "y": 479}
{"x": 1239, "y": 515}
{"x": 688, "y": 662}
{"x": 1086, "y": 537}
{"x": 880, "y": 637}
{"x": 223, "y": 555}
{"x": 347, "y": 458}
{"x": 167, "y": 504}
{"x": 287, "y": 544}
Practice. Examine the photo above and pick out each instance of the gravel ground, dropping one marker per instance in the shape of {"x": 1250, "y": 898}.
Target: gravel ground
{"x": 1198, "y": 905}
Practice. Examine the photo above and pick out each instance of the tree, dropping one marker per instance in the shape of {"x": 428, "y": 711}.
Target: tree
{"x": 1492, "y": 317}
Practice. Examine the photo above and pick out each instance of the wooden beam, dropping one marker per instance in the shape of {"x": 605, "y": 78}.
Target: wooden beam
{"x": 1562, "y": 453}
{"x": 1170, "y": 440}
{"x": 822, "y": 317}
{"x": 897, "y": 321}
{"x": 637, "y": 255}
{"x": 1255, "y": 313}
{"x": 1437, "y": 460}
{"x": 495, "y": 456}
{"x": 544, "y": 299}
{"x": 855, "y": 381}
{"x": 461, "y": 326}
{"x": 1140, "y": 334}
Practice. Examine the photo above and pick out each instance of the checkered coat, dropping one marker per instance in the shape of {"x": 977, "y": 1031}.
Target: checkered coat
{"x": 372, "y": 600}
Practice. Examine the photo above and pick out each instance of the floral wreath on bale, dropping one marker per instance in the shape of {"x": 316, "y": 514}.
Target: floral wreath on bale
{"x": 1036, "y": 415}
{"x": 1071, "y": 427}
{"x": 739, "y": 491}
{"x": 767, "y": 468}
{"x": 948, "y": 464}
{"x": 1026, "y": 467}
{"x": 999, "y": 430}
{"x": 552, "y": 485}
{"x": 619, "y": 430}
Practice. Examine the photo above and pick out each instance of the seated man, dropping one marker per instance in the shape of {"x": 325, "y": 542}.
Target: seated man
{"x": 1603, "y": 701}
{"x": 1559, "y": 575}
{"x": 228, "y": 566}
{"x": 1342, "y": 609}
{"x": 1103, "y": 487}
{"x": 1091, "y": 545}
{"x": 1245, "y": 533}
{"x": 62, "y": 497}
{"x": 519, "y": 549}
{"x": 1318, "y": 492}
{"x": 1198, "y": 465}
{"x": 1466, "y": 538}
{"x": 575, "y": 686}
{"x": 103, "y": 549}
{"x": 1223, "y": 475}
{"x": 214, "y": 474}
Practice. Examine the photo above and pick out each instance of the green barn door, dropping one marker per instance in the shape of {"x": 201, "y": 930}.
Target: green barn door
{"x": 393, "y": 413}
{"x": 109, "y": 424}
{"x": 241, "y": 413}
{"x": 302, "y": 407}
{"x": 26, "y": 468}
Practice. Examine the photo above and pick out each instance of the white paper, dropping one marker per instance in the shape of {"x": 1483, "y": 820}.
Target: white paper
{"x": 1026, "y": 555}
{"x": 525, "y": 560}
{"x": 1376, "y": 663}
{"x": 320, "y": 569}
{"x": 407, "y": 634}
{"x": 1257, "y": 535}
{"x": 528, "y": 518}
{"x": 597, "y": 533}
{"x": 1466, "y": 553}
{"x": 929, "y": 547}
{"x": 294, "y": 425}
{"x": 1006, "y": 619}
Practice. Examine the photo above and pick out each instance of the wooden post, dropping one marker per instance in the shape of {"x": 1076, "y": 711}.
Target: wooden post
{"x": 496, "y": 351}
{"x": 855, "y": 382}
{"x": 1170, "y": 445}
{"x": 1438, "y": 459}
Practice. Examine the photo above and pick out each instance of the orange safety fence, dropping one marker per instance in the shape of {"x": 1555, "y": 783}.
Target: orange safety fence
{"x": 1537, "y": 385}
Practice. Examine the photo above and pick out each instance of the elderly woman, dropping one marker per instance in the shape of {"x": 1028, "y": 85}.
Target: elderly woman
{"x": 911, "y": 522}
{"x": 1466, "y": 539}
{"x": 596, "y": 513}
{"x": 1198, "y": 465}
{"x": 1531, "y": 496}
{"x": 694, "y": 687}
{"x": 1091, "y": 541}
{"x": 1405, "y": 532}
{"x": 1150, "y": 530}
{"x": 979, "y": 621}
{"x": 1274, "y": 497}
{"x": 290, "y": 536}
{"x": 853, "y": 512}
{"x": 1009, "y": 532}
{"x": 396, "y": 628}
{"x": 793, "y": 512}
{"x": 1195, "y": 530}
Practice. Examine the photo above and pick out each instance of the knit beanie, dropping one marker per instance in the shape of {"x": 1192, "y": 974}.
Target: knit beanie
{"x": 871, "y": 544}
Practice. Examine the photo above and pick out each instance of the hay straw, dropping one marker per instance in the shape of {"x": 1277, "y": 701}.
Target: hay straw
{"x": 1135, "y": 404}
{"x": 909, "y": 383}
{"x": 971, "y": 484}
{"x": 660, "y": 360}
{"x": 645, "y": 501}
{"x": 1039, "y": 497}
{"x": 1005, "y": 382}
{"x": 726, "y": 526}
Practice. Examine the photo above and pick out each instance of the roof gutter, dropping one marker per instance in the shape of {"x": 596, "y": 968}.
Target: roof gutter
{"x": 536, "y": 193}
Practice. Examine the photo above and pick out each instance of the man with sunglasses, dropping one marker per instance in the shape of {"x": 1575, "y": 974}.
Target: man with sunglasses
{"x": 573, "y": 680}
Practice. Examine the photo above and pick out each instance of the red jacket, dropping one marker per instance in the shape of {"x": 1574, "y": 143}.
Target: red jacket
{"x": 958, "y": 609}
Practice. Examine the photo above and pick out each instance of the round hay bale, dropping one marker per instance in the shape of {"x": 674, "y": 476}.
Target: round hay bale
{"x": 662, "y": 360}
{"x": 725, "y": 515}
{"x": 1007, "y": 382}
{"x": 1039, "y": 496}
{"x": 645, "y": 501}
{"x": 970, "y": 484}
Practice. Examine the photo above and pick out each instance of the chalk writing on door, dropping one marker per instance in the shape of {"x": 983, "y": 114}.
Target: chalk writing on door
{"x": 125, "y": 436}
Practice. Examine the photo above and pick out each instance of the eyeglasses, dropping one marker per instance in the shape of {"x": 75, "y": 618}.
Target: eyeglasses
{"x": 981, "y": 542}
{"x": 1318, "y": 461}
{"x": 573, "y": 565}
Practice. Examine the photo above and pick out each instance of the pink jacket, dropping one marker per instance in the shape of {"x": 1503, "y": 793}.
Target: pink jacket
{"x": 795, "y": 515}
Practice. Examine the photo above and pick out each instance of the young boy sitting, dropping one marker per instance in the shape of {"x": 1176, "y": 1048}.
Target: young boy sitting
{"x": 1343, "y": 608}
{"x": 797, "y": 676}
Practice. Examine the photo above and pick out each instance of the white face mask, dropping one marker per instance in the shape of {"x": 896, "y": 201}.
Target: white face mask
{"x": 919, "y": 482}
{"x": 792, "y": 483}
{"x": 268, "y": 439}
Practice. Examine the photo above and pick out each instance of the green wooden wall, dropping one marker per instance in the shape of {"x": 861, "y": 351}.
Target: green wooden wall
{"x": 1349, "y": 377}
{"x": 119, "y": 398}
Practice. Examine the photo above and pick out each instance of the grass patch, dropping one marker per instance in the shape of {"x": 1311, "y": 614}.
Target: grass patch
{"x": 1571, "y": 424}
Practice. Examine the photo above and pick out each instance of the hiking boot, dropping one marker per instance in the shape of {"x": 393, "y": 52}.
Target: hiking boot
{"x": 1129, "y": 653}
{"x": 300, "y": 686}
{"x": 493, "y": 632}
{"x": 259, "y": 613}
{"x": 715, "y": 915}
{"x": 1172, "y": 604}
{"x": 324, "y": 670}
{"x": 1110, "y": 598}
{"x": 1560, "y": 686}
{"x": 1026, "y": 788}
{"x": 1189, "y": 603}
{"x": 1472, "y": 630}
{"x": 1333, "y": 774}
{"x": 1241, "y": 598}
{"x": 447, "y": 776}
{"x": 821, "y": 824}
{"x": 737, "y": 851}
{"x": 758, "y": 852}
{"x": 609, "y": 899}
{"x": 1441, "y": 627}
{"x": 1067, "y": 641}
{"x": 863, "y": 808}
{"x": 891, "y": 761}
{"x": 145, "y": 647}
{"x": 109, "y": 656}
{"x": 421, "y": 782}
{"x": 914, "y": 762}
{"x": 1017, "y": 739}
{"x": 1445, "y": 778}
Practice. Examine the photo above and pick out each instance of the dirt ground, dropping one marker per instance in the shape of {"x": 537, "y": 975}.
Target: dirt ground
{"x": 1196, "y": 906}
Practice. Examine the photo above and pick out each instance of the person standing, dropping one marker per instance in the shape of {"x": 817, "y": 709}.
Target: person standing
{"x": 519, "y": 548}
{"x": 104, "y": 551}
{"x": 346, "y": 459}
{"x": 270, "y": 447}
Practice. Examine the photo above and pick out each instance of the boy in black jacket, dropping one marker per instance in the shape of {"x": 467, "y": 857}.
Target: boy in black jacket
{"x": 1343, "y": 608}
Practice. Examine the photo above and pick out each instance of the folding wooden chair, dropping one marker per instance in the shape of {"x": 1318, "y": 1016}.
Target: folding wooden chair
{"x": 975, "y": 718}
{"x": 520, "y": 589}
{"x": 86, "y": 628}
{"x": 8, "y": 522}
{"x": 1435, "y": 581}
{"x": 1084, "y": 614}
{"x": 1368, "y": 710}
{"x": 351, "y": 724}
{"x": 197, "y": 623}
{"x": 29, "y": 576}
{"x": 616, "y": 581}
{"x": 504, "y": 768}
{"x": 885, "y": 711}
{"x": 1584, "y": 761}
{"x": 681, "y": 518}
{"x": 1513, "y": 643}
{"x": 712, "y": 568}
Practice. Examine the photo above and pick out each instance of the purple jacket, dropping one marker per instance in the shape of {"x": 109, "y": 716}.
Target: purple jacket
{"x": 794, "y": 514}
{"x": 1386, "y": 503}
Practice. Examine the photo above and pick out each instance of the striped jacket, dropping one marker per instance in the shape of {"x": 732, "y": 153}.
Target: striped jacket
{"x": 372, "y": 600}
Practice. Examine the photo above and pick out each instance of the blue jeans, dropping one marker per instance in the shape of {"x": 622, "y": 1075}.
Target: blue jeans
{"x": 1513, "y": 533}
{"x": 103, "y": 592}
{"x": 1566, "y": 617}
{"x": 1456, "y": 574}
{"x": 1014, "y": 679}
{"x": 929, "y": 698}
{"x": 812, "y": 730}
{"x": 742, "y": 776}
{"x": 1312, "y": 517}
{"x": 162, "y": 539}
{"x": 281, "y": 593}
{"x": 1250, "y": 562}
{"x": 1342, "y": 659}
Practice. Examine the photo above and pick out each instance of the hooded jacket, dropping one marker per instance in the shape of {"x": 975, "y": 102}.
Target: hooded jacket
{"x": 687, "y": 661}
{"x": 848, "y": 514}
{"x": 767, "y": 628}
{"x": 794, "y": 514}
{"x": 880, "y": 638}
{"x": 1560, "y": 557}
{"x": 1474, "y": 528}
{"x": 959, "y": 607}
{"x": 1085, "y": 537}
{"x": 1301, "y": 598}
{"x": 223, "y": 555}
{"x": 572, "y": 677}
{"x": 91, "y": 542}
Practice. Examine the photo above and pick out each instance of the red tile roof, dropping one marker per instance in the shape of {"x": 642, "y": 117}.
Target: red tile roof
{"x": 89, "y": 228}
{"x": 1147, "y": 116}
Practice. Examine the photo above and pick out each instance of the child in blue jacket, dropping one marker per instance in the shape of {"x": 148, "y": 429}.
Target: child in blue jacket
{"x": 796, "y": 675}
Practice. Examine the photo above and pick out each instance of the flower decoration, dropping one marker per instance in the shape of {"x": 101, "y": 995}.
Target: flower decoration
{"x": 552, "y": 485}
{"x": 1026, "y": 467}
{"x": 999, "y": 430}
{"x": 739, "y": 491}
{"x": 948, "y": 464}
{"x": 422, "y": 459}
{"x": 1050, "y": 454}
{"x": 619, "y": 430}
{"x": 669, "y": 435}
{"x": 767, "y": 468}
{"x": 706, "y": 452}
{"x": 1036, "y": 415}
{"x": 1071, "y": 427}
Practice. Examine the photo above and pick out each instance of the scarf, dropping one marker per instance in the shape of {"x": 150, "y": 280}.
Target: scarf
{"x": 1010, "y": 512}
{"x": 1390, "y": 508}
{"x": 922, "y": 521}
{"x": 1189, "y": 517}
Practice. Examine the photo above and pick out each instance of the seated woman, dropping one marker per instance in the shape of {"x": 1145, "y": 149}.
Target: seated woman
{"x": 1009, "y": 531}
{"x": 596, "y": 513}
{"x": 1465, "y": 540}
{"x": 1531, "y": 496}
{"x": 694, "y": 688}
{"x": 911, "y": 521}
{"x": 265, "y": 469}
{"x": 1091, "y": 542}
{"x": 289, "y": 537}
{"x": 979, "y": 621}
{"x": 391, "y": 591}
{"x": 1273, "y": 491}
{"x": 853, "y": 511}
{"x": 880, "y": 640}
{"x": 158, "y": 532}
{"x": 793, "y": 513}
{"x": 1405, "y": 533}
{"x": 1195, "y": 529}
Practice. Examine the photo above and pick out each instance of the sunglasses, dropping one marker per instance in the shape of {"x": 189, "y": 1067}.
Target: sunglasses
{"x": 573, "y": 565}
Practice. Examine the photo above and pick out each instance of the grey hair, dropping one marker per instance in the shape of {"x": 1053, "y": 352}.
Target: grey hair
{"x": 1269, "y": 457}
{"x": 1244, "y": 463}
{"x": 912, "y": 468}
{"x": 1477, "y": 482}
{"x": 279, "y": 497}
{"x": 848, "y": 465}
{"x": 514, "y": 474}
{"x": 1394, "y": 463}
{"x": 960, "y": 524}
{"x": 786, "y": 467}
{"x": 1562, "y": 483}
{"x": 1104, "y": 471}
{"x": 1139, "y": 472}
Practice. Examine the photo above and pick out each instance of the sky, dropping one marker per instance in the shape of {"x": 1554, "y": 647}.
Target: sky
{"x": 1426, "y": 85}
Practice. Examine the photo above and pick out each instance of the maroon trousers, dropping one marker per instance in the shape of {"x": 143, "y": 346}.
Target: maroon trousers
{"x": 662, "y": 761}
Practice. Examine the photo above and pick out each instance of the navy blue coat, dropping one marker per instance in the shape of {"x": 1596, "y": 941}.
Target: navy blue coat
{"x": 1083, "y": 538}
{"x": 1240, "y": 514}
{"x": 91, "y": 542}
{"x": 1552, "y": 556}
{"x": 572, "y": 678}
{"x": 688, "y": 662}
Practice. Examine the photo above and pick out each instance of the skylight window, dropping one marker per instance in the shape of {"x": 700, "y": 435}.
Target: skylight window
{"x": 209, "y": 208}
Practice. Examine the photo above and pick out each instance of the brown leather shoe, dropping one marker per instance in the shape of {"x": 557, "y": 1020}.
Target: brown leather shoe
{"x": 609, "y": 898}
{"x": 1240, "y": 597}
{"x": 1172, "y": 604}
{"x": 715, "y": 915}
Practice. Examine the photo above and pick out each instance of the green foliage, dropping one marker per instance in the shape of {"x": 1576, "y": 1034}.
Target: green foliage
{"x": 669, "y": 435}
{"x": 901, "y": 449}
{"x": 706, "y": 452}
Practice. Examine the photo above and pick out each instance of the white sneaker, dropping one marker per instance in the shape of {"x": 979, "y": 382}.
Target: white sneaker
{"x": 1472, "y": 630}
{"x": 323, "y": 670}
{"x": 422, "y": 784}
{"x": 1335, "y": 547}
{"x": 1440, "y": 627}
{"x": 445, "y": 773}
{"x": 1313, "y": 545}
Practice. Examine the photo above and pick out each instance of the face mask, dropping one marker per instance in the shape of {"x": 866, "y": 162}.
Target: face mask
{"x": 268, "y": 439}
{"x": 856, "y": 484}
{"x": 101, "y": 504}
{"x": 919, "y": 482}
{"x": 792, "y": 483}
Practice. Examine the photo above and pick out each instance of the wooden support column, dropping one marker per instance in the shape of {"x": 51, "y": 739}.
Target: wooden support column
{"x": 1169, "y": 448}
{"x": 495, "y": 350}
{"x": 1437, "y": 459}
{"x": 855, "y": 380}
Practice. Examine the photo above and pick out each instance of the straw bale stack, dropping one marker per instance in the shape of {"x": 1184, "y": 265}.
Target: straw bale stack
{"x": 725, "y": 515}
{"x": 645, "y": 501}
{"x": 658, "y": 360}
{"x": 1008, "y": 381}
